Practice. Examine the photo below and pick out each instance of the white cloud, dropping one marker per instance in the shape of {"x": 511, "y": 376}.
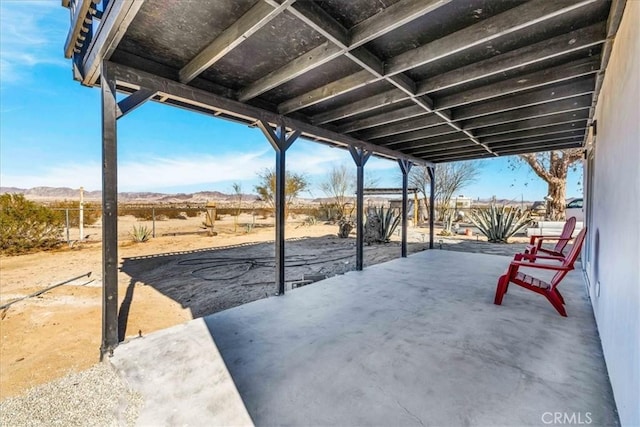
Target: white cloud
{"x": 150, "y": 174}
{"x": 30, "y": 35}
{"x": 154, "y": 173}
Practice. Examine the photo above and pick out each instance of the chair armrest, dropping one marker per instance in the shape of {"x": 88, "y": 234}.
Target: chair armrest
{"x": 541, "y": 266}
{"x": 533, "y": 257}
{"x": 555, "y": 238}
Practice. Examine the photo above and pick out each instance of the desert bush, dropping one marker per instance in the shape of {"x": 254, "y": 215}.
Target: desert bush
{"x": 140, "y": 234}
{"x": 91, "y": 213}
{"x": 27, "y": 226}
{"x": 499, "y": 223}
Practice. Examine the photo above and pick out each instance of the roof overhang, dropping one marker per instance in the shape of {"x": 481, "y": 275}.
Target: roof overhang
{"x": 421, "y": 80}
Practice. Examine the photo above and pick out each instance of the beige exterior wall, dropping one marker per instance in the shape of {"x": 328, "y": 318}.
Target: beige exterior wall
{"x": 612, "y": 254}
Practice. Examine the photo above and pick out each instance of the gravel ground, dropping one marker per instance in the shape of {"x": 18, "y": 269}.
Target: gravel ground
{"x": 95, "y": 397}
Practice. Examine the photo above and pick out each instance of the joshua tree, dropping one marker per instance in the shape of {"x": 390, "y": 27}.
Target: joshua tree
{"x": 552, "y": 167}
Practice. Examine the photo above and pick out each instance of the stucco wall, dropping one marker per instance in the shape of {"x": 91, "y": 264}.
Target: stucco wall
{"x": 614, "y": 258}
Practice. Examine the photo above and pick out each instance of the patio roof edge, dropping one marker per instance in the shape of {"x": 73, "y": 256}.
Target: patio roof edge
{"x": 200, "y": 98}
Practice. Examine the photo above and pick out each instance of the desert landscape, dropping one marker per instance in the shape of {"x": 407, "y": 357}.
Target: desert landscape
{"x": 182, "y": 273}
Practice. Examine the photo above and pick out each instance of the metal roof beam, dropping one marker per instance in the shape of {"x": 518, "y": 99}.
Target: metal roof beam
{"x": 528, "y": 55}
{"x": 340, "y": 43}
{"x": 577, "y": 134}
{"x": 467, "y": 155}
{"x": 535, "y": 123}
{"x": 535, "y": 148}
{"x": 204, "y": 101}
{"x": 305, "y": 62}
{"x": 426, "y": 142}
{"x": 391, "y": 18}
{"x": 403, "y": 126}
{"x": 443, "y": 130}
{"x": 551, "y": 48}
{"x": 384, "y": 119}
{"x": 443, "y": 147}
{"x": 254, "y": 19}
{"x": 561, "y": 73}
{"x": 543, "y": 96}
{"x": 536, "y": 132}
{"x": 517, "y": 18}
{"x": 547, "y": 109}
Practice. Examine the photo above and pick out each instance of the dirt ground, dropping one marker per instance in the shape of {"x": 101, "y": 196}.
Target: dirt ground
{"x": 181, "y": 274}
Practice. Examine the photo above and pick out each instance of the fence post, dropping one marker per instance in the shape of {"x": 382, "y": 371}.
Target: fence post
{"x": 153, "y": 219}
{"x": 81, "y": 214}
{"x": 66, "y": 214}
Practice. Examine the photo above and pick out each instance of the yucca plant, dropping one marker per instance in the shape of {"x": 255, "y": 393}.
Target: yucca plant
{"x": 140, "y": 234}
{"x": 499, "y": 223}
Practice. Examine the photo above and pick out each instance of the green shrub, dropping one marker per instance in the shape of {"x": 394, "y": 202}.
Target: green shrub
{"x": 140, "y": 234}
{"x": 26, "y": 226}
{"x": 498, "y": 224}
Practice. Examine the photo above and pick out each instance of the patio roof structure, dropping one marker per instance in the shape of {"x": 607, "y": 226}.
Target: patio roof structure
{"x": 417, "y": 81}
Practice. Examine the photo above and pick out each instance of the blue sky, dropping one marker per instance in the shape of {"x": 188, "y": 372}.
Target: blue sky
{"x": 50, "y": 131}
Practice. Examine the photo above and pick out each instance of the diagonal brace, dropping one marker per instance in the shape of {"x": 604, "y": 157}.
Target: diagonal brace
{"x": 133, "y": 101}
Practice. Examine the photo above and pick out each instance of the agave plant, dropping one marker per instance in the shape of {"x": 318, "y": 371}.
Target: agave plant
{"x": 499, "y": 223}
{"x": 386, "y": 223}
{"x": 140, "y": 234}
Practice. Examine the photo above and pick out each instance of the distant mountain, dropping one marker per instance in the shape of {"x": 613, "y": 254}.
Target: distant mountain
{"x": 65, "y": 193}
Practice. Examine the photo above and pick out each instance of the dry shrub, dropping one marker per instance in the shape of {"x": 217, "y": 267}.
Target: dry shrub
{"x": 27, "y": 226}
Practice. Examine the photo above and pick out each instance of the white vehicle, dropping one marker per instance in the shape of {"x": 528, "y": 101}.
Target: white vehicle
{"x": 575, "y": 208}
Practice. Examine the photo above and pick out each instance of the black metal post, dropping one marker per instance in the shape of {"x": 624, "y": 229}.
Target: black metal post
{"x": 109, "y": 214}
{"x": 280, "y": 142}
{"x": 360, "y": 157}
{"x": 405, "y": 167}
{"x": 432, "y": 203}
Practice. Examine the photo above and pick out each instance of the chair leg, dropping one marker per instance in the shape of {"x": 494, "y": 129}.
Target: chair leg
{"x": 501, "y": 289}
{"x": 559, "y": 295}
{"x": 555, "y": 301}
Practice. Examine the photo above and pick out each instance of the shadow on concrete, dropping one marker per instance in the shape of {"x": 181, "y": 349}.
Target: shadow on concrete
{"x": 211, "y": 280}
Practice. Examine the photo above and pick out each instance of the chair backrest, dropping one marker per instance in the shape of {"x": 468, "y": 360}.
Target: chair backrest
{"x": 571, "y": 257}
{"x": 567, "y": 231}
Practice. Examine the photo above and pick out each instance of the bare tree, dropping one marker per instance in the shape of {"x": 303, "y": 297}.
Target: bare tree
{"x": 295, "y": 183}
{"x": 340, "y": 185}
{"x": 552, "y": 167}
{"x": 450, "y": 179}
{"x": 237, "y": 190}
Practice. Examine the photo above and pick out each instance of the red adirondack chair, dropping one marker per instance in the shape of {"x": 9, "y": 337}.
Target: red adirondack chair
{"x": 535, "y": 243}
{"x": 549, "y": 290}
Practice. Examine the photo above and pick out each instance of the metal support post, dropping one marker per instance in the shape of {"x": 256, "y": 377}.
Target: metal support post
{"x": 405, "y": 167}
{"x": 360, "y": 157}
{"x": 432, "y": 203}
{"x": 280, "y": 142}
{"x": 109, "y": 214}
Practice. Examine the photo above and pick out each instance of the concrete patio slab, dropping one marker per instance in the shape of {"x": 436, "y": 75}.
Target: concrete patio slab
{"x": 416, "y": 341}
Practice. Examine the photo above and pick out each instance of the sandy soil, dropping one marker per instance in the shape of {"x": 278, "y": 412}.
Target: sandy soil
{"x": 168, "y": 280}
